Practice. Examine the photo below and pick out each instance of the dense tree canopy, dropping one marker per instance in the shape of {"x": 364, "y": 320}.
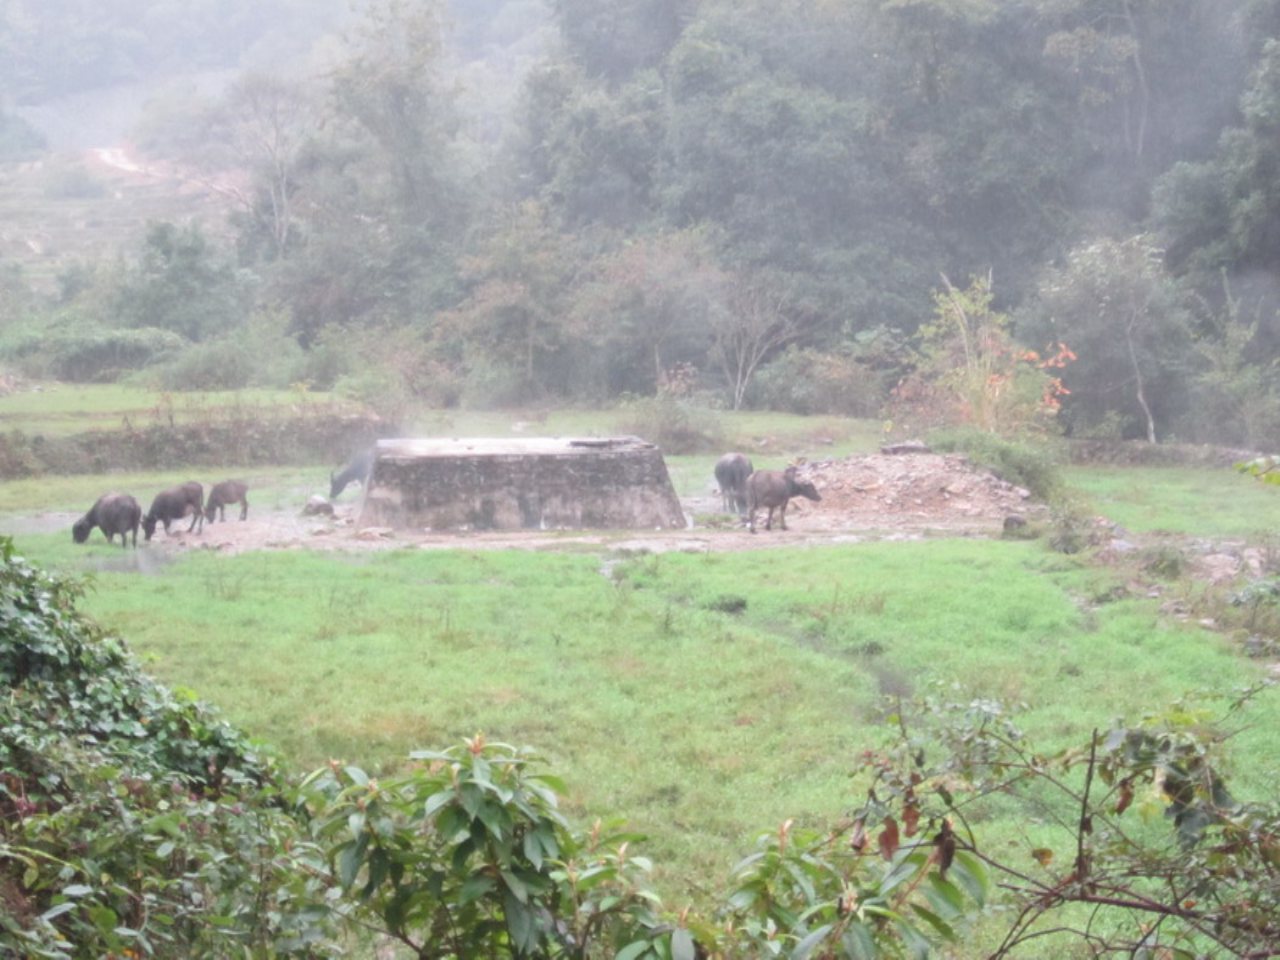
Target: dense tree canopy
{"x": 707, "y": 184}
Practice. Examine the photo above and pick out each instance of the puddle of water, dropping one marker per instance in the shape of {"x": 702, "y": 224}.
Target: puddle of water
{"x": 142, "y": 560}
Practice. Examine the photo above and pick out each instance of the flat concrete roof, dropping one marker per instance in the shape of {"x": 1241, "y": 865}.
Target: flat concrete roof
{"x": 416, "y": 448}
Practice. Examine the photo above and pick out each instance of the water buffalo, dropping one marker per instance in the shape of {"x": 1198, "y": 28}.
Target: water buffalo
{"x": 358, "y": 470}
{"x": 732, "y": 471}
{"x": 223, "y": 494}
{"x": 113, "y": 513}
{"x": 174, "y": 504}
{"x": 775, "y": 488}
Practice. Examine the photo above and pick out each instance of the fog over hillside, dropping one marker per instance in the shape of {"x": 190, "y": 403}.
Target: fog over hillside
{"x": 747, "y": 203}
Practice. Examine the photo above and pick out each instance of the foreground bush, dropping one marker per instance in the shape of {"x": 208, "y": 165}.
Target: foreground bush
{"x": 131, "y": 819}
{"x": 135, "y": 823}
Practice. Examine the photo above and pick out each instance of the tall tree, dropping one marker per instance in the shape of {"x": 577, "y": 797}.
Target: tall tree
{"x": 184, "y": 283}
{"x": 1118, "y": 309}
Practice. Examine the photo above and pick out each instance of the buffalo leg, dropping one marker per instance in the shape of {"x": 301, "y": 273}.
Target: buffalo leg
{"x": 244, "y": 509}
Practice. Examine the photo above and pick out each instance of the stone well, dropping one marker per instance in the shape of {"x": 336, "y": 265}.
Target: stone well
{"x": 527, "y": 483}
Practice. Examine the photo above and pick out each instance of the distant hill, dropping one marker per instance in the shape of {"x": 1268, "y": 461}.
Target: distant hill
{"x": 88, "y": 204}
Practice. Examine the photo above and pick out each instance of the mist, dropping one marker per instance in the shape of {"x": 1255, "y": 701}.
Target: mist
{"x": 477, "y": 176}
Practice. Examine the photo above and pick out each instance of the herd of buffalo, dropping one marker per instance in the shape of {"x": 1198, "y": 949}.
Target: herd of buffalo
{"x": 120, "y": 513}
{"x": 744, "y": 491}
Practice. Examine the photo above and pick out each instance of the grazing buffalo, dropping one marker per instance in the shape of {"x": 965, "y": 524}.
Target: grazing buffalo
{"x": 174, "y": 504}
{"x": 775, "y": 488}
{"x": 358, "y": 470}
{"x": 113, "y": 513}
{"x": 732, "y": 471}
{"x": 224, "y": 494}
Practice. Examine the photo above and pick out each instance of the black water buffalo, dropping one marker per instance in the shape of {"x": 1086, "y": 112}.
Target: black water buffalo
{"x": 113, "y": 513}
{"x": 174, "y": 504}
{"x": 221, "y": 495}
{"x": 732, "y": 471}
{"x": 358, "y": 470}
{"x": 775, "y": 488}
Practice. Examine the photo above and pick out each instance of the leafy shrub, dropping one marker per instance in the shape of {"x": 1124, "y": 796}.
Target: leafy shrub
{"x": 1167, "y": 563}
{"x": 1205, "y": 885}
{"x": 1071, "y": 526}
{"x": 467, "y": 855}
{"x": 258, "y": 354}
{"x": 1260, "y": 599}
{"x": 491, "y": 385}
{"x": 89, "y": 353}
{"x": 1266, "y": 469}
{"x": 131, "y": 819}
{"x": 677, "y": 426}
{"x": 1027, "y": 465}
{"x": 808, "y": 381}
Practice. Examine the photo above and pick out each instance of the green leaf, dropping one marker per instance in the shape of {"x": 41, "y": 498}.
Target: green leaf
{"x": 915, "y": 941}
{"x": 104, "y": 918}
{"x": 516, "y": 886}
{"x": 77, "y": 890}
{"x": 969, "y": 872}
{"x": 520, "y": 924}
{"x": 532, "y": 849}
{"x": 858, "y": 943}
{"x": 358, "y": 776}
{"x": 682, "y": 945}
{"x": 944, "y": 929}
{"x": 349, "y": 860}
{"x": 945, "y": 897}
{"x": 59, "y": 910}
{"x": 474, "y": 888}
{"x": 900, "y": 873}
{"x": 633, "y": 950}
{"x": 436, "y": 801}
{"x": 809, "y": 943}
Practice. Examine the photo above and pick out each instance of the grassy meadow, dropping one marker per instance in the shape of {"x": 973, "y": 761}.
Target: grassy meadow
{"x": 59, "y": 409}
{"x": 704, "y": 697}
{"x": 1191, "y": 501}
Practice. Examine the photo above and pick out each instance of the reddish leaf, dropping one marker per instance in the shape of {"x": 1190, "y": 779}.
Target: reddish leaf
{"x": 858, "y": 842}
{"x": 1126, "y": 797}
{"x": 889, "y": 838}
{"x": 910, "y": 819}
{"x": 945, "y": 841}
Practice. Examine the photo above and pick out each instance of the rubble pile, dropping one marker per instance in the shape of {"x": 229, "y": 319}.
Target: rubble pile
{"x": 922, "y": 486}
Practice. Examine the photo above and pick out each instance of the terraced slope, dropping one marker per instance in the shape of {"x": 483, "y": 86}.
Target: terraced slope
{"x": 62, "y": 209}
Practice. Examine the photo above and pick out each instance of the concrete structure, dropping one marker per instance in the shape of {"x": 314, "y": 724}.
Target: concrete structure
{"x": 544, "y": 483}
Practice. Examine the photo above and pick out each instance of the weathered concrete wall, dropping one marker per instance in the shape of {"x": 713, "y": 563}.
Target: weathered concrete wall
{"x": 525, "y": 483}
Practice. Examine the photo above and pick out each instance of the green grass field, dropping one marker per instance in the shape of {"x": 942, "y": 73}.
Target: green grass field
{"x": 1195, "y": 501}
{"x": 646, "y": 691}
{"x": 59, "y": 409}
{"x": 704, "y": 697}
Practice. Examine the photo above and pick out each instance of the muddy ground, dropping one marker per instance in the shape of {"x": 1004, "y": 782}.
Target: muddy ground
{"x": 874, "y": 497}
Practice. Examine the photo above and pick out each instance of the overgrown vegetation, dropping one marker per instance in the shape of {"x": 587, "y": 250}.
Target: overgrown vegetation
{"x": 1025, "y": 463}
{"x": 134, "y": 822}
{"x": 132, "y": 819}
